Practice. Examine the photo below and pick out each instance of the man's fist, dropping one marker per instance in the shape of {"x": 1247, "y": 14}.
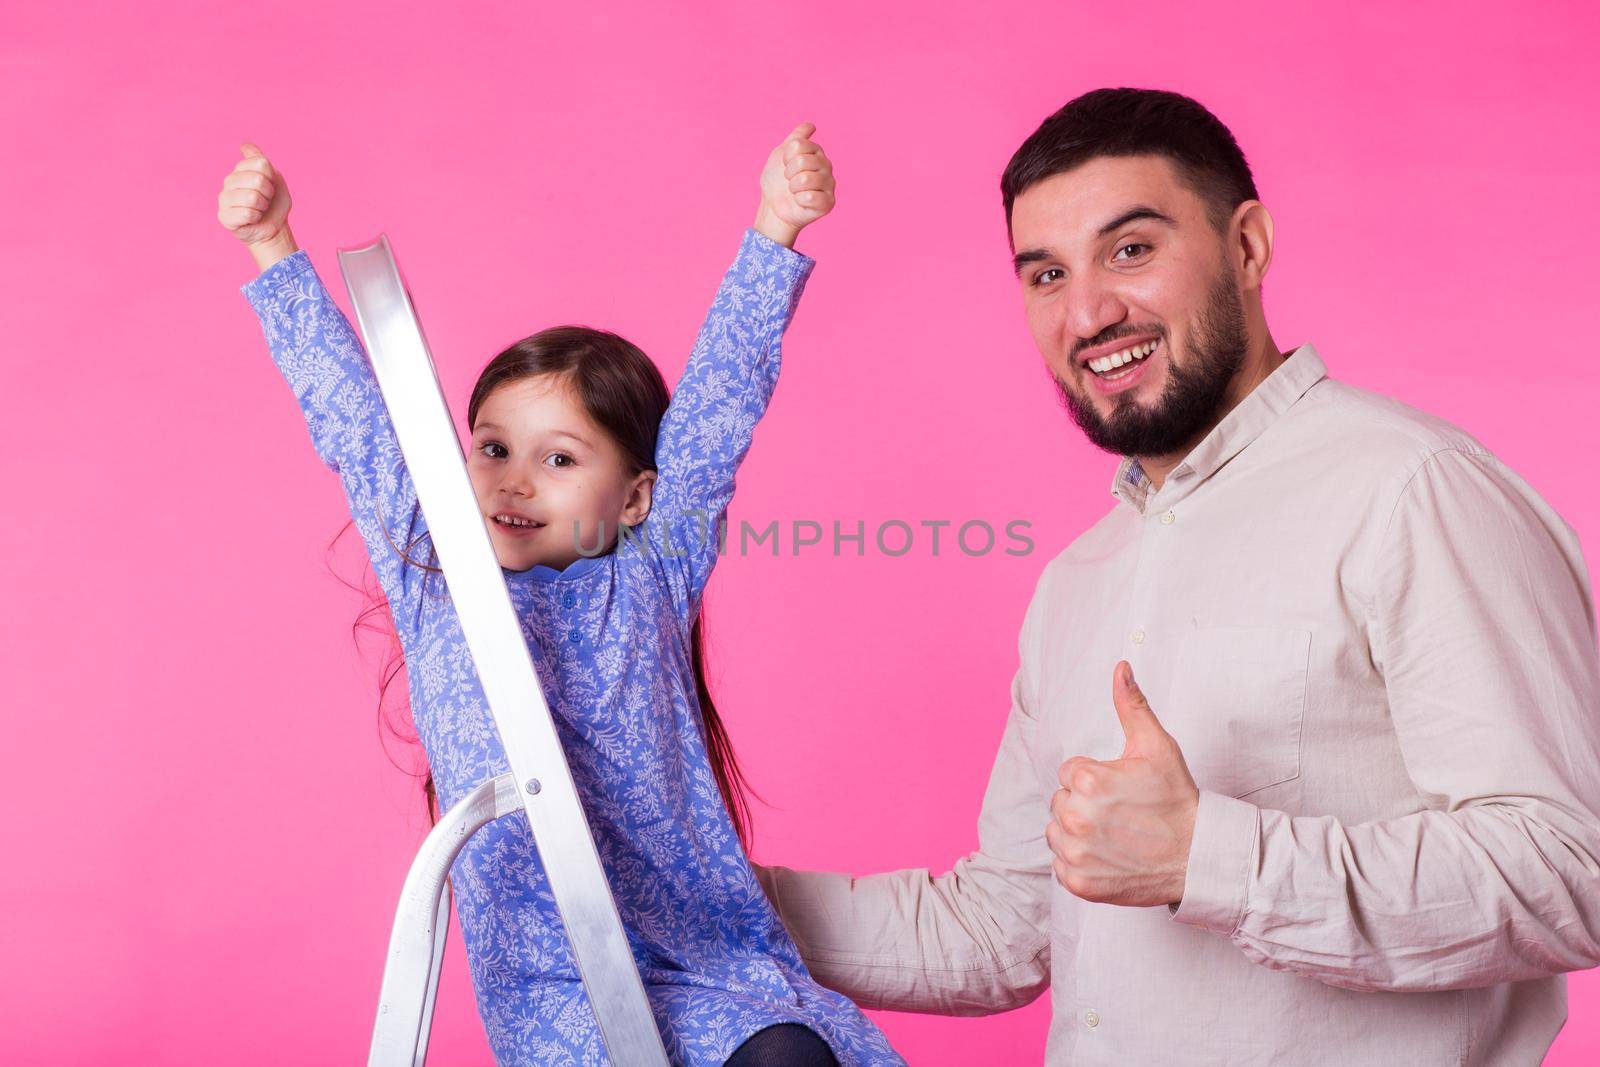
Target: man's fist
{"x": 796, "y": 187}
{"x": 254, "y": 202}
{"x": 1120, "y": 829}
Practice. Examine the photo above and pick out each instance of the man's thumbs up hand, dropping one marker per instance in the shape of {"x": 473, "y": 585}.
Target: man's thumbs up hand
{"x": 1140, "y": 727}
{"x": 1120, "y": 829}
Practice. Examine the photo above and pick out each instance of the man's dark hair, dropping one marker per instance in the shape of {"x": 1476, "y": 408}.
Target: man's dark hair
{"x": 1136, "y": 122}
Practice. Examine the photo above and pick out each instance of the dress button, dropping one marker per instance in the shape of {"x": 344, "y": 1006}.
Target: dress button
{"x": 574, "y": 636}
{"x": 1091, "y": 1018}
{"x": 1168, "y": 517}
{"x": 568, "y": 599}
{"x": 1137, "y": 637}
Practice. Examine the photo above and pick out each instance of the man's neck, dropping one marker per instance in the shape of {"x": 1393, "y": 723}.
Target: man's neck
{"x": 1258, "y": 365}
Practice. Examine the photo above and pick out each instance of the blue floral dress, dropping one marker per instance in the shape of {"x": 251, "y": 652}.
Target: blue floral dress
{"x": 610, "y": 638}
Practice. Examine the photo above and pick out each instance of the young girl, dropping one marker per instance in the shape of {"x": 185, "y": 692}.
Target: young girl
{"x": 573, "y": 443}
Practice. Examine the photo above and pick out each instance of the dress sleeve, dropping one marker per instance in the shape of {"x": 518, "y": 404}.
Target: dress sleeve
{"x": 1483, "y": 628}
{"x": 723, "y": 393}
{"x": 316, "y": 349}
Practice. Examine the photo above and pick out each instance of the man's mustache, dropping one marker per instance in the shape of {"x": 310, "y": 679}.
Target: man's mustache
{"x": 1116, "y": 335}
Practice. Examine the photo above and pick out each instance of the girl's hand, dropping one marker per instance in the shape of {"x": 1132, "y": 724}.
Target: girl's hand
{"x": 254, "y": 206}
{"x": 796, "y": 187}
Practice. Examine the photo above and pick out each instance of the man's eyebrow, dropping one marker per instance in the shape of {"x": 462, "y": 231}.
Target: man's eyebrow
{"x": 1032, "y": 255}
{"x": 1134, "y": 214}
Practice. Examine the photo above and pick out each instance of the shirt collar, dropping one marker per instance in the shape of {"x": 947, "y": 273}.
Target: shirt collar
{"x": 1266, "y": 403}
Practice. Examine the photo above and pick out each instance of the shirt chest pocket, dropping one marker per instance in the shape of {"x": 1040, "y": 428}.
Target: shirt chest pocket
{"x": 1237, "y": 705}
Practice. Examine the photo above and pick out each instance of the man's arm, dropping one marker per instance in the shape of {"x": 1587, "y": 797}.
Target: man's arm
{"x": 1483, "y": 627}
{"x": 970, "y": 942}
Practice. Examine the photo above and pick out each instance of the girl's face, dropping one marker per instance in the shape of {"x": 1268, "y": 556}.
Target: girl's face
{"x": 552, "y": 485}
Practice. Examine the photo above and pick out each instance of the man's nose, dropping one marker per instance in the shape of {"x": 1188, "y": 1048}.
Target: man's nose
{"x": 1092, "y": 307}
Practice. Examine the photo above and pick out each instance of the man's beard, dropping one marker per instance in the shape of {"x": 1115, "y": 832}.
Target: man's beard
{"x": 1192, "y": 398}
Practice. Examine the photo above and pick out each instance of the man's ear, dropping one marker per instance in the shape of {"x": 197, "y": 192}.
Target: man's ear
{"x": 1252, "y": 224}
{"x": 641, "y": 492}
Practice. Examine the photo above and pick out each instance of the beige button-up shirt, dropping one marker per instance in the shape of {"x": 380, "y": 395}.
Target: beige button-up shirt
{"x": 1376, "y": 646}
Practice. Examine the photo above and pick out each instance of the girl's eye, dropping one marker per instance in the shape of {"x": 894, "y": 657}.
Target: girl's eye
{"x": 560, "y": 459}
{"x": 1141, "y": 250}
{"x": 1045, "y": 277}
{"x": 493, "y": 450}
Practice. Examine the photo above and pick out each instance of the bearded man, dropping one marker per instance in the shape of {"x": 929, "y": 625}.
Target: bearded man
{"x": 1303, "y": 760}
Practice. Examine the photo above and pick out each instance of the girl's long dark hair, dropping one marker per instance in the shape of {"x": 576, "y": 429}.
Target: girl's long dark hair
{"x": 623, "y": 392}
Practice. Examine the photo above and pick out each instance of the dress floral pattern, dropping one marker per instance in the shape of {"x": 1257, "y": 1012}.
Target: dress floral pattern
{"x": 610, "y": 638}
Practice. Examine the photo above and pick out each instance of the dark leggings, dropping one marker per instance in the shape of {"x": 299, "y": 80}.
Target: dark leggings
{"x": 783, "y": 1045}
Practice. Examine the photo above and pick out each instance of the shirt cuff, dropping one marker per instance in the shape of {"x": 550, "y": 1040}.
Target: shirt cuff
{"x": 269, "y": 281}
{"x": 1221, "y": 853}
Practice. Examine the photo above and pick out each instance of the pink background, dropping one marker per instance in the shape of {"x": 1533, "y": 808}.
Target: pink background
{"x": 207, "y": 838}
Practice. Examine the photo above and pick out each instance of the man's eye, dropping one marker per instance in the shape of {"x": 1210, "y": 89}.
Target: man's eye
{"x": 560, "y": 459}
{"x": 493, "y": 450}
{"x": 1141, "y": 250}
{"x": 1045, "y": 277}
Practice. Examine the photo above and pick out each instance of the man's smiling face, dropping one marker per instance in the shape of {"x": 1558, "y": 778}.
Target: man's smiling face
{"x": 1132, "y": 300}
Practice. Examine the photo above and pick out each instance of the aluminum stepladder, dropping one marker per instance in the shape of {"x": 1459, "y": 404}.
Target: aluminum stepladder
{"x": 540, "y": 783}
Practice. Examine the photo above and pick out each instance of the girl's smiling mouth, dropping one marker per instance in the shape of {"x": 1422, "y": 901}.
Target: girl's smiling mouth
{"x": 517, "y": 525}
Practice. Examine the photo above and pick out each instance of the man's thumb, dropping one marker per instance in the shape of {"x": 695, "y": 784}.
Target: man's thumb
{"x": 250, "y": 151}
{"x": 1139, "y": 723}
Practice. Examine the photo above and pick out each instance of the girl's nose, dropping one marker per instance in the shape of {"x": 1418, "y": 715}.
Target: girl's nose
{"x": 516, "y": 483}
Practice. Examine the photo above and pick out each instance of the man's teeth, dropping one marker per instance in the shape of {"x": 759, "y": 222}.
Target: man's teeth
{"x": 1117, "y": 359}
{"x": 512, "y": 520}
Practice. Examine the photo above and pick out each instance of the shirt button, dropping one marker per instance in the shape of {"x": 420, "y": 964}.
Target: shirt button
{"x": 1168, "y": 517}
{"x": 568, "y": 599}
{"x": 1091, "y": 1018}
{"x": 1137, "y": 637}
{"x": 574, "y": 636}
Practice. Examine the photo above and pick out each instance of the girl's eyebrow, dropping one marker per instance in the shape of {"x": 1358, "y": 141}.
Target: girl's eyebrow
{"x": 494, "y": 427}
{"x": 576, "y": 437}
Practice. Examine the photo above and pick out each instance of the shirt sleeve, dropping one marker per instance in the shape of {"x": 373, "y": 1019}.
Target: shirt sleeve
{"x": 1482, "y": 625}
{"x": 317, "y": 351}
{"x": 970, "y": 942}
{"x": 723, "y": 393}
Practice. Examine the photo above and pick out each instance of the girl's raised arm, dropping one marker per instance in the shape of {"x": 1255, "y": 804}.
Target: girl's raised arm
{"x": 733, "y": 368}
{"x": 320, "y": 356}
